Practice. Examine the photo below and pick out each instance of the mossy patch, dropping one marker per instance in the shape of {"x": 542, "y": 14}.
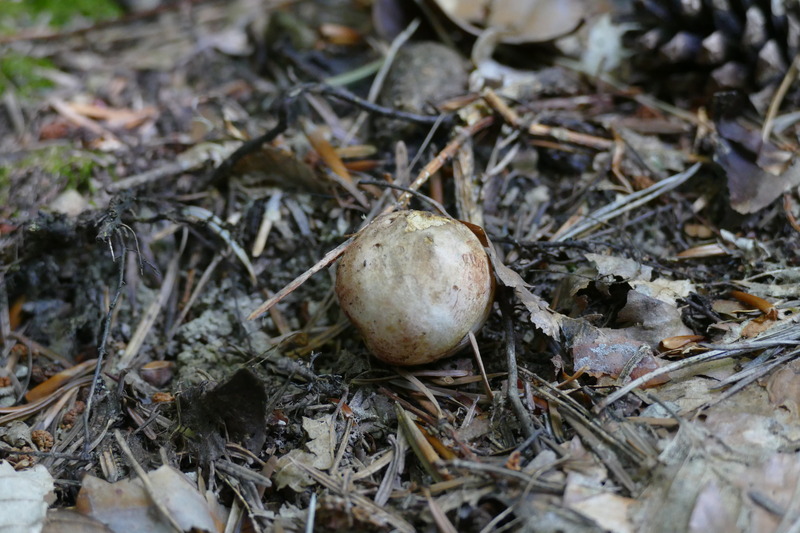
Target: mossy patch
{"x": 57, "y": 12}
{"x": 23, "y": 74}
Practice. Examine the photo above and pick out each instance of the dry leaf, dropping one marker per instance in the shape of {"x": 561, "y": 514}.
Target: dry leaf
{"x": 783, "y": 387}
{"x": 619, "y": 267}
{"x": 321, "y": 448}
{"x": 605, "y": 352}
{"x": 751, "y": 188}
{"x": 650, "y": 320}
{"x": 24, "y": 498}
{"x": 125, "y": 506}
{"x": 69, "y": 521}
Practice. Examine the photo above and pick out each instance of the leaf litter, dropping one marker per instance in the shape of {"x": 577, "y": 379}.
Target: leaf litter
{"x": 638, "y": 372}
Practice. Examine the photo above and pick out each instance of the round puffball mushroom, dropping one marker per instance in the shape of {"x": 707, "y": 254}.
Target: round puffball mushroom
{"x": 415, "y": 285}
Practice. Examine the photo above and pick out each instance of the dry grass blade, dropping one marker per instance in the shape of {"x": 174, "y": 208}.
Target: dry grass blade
{"x": 439, "y": 516}
{"x": 624, "y": 205}
{"x": 369, "y": 506}
{"x": 422, "y": 448}
{"x": 151, "y": 314}
{"x": 24, "y": 411}
{"x": 57, "y": 381}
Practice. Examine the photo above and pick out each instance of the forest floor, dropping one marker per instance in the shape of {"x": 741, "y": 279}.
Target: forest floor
{"x": 166, "y": 170}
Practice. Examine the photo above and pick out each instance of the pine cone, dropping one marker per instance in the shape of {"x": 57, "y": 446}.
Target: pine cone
{"x": 702, "y": 46}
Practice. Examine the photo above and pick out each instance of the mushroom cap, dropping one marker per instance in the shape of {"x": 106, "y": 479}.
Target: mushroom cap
{"x": 415, "y": 284}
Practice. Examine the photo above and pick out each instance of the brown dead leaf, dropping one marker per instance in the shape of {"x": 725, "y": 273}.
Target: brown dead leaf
{"x": 752, "y": 188}
{"x": 756, "y": 327}
{"x": 651, "y": 320}
{"x": 126, "y": 506}
{"x": 542, "y": 316}
{"x": 606, "y": 352}
{"x": 783, "y": 387}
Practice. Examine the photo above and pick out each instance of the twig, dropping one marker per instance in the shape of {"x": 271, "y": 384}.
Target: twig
{"x": 380, "y": 77}
{"x": 346, "y": 96}
{"x": 248, "y": 147}
{"x": 511, "y": 361}
{"x": 102, "y": 351}
{"x": 437, "y": 162}
{"x": 439, "y": 207}
{"x": 541, "y": 130}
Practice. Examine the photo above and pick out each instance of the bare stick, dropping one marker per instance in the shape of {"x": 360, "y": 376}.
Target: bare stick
{"x": 511, "y": 356}
{"x": 447, "y": 153}
{"x": 102, "y": 351}
{"x": 329, "y": 258}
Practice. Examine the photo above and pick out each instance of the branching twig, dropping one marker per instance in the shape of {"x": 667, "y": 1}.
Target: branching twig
{"x": 102, "y": 351}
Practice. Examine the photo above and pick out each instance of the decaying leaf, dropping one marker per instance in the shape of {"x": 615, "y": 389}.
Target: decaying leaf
{"x": 650, "y": 320}
{"x": 234, "y": 409}
{"x": 127, "y": 507}
{"x": 751, "y": 187}
{"x": 24, "y": 498}
{"x": 69, "y": 521}
{"x": 321, "y": 448}
{"x": 609, "y": 266}
{"x": 783, "y": 388}
{"x": 542, "y": 316}
{"x": 605, "y": 352}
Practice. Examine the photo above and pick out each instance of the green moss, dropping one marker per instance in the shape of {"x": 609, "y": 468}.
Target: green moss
{"x": 74, "y": 167}
{"x": 5, "y": 184}
{"x": 23, "y": 74}
{"x": 58, "y": 12}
